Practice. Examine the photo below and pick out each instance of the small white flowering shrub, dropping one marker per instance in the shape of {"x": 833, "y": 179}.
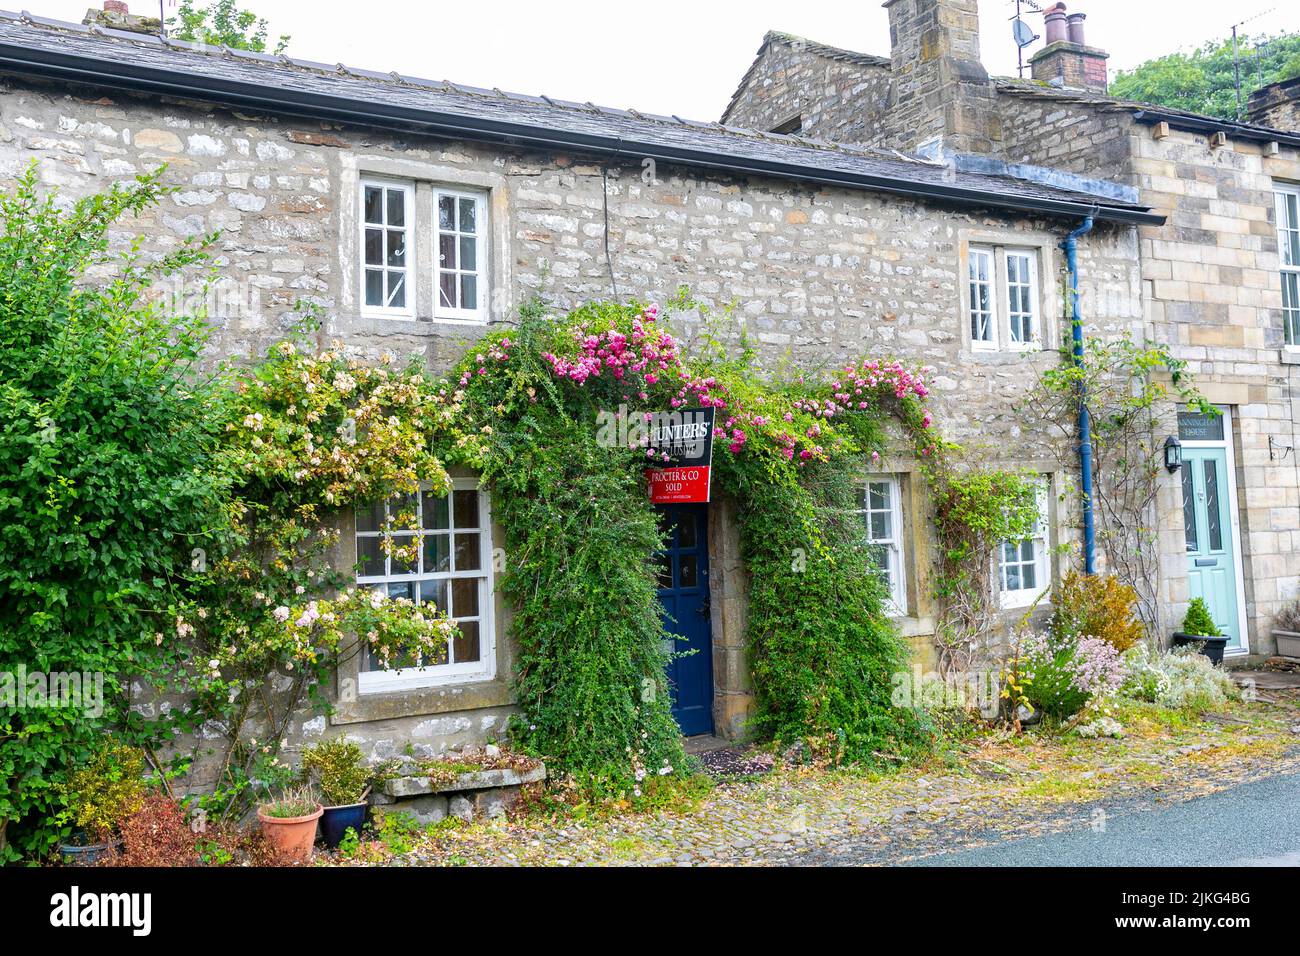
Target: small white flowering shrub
{"x": 1182, "y": 679}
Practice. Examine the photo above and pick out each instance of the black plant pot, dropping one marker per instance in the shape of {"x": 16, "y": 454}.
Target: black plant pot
{"x": 1211, "y": 647}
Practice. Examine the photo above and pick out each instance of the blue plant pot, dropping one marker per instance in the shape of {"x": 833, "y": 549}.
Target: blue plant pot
{"x": 335, "y": 821}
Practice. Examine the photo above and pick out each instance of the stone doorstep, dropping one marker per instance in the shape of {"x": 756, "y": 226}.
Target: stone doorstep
{"x": 416, "y": 786}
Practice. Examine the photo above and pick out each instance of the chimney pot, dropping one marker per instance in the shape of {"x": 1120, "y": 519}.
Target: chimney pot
{"x": 116, "y": 6}
{"x": 1054, "y": 22}
{"x": 1074, "y": 27}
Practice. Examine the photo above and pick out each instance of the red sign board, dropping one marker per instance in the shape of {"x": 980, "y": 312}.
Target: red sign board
{"x": 676, "y": 486}
{"x": 682, "y": 441}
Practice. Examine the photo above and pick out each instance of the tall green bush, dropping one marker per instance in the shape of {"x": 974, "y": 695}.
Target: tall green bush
{"x": 107, "y": 494}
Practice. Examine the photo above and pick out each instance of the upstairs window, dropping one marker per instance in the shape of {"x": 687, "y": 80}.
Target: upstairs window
{"x": 1003, "y": 298}
{"x": 1287, "y": 201}
{"x": 459, "y": 224}
{"x": 423, "y": 251}
{"x": 385, "y": 241}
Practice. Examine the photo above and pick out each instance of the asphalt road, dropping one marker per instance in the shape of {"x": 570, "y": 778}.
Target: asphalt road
{"x": 1254, "y": 824}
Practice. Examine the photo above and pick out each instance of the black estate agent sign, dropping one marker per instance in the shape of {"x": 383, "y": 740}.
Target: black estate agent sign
{"x": 682, "y": 445}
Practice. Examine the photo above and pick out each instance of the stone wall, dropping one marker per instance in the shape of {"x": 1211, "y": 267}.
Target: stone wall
{"x": 1276, "y": 105}
{"x": 1211, "y": 290}
{"x": 819, "y": 276}
{"x": 834, "y": 95}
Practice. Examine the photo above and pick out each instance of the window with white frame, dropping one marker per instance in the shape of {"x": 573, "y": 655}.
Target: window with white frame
{"x": 1003, "y": 298}
{"x": 459, "y": 283}
{"x": 983, "y": 318}
{"x": 423, "y": 251}
{"x": 881, "y": 506}
{"x": 1287, "y": 200}
{"x": 1023, "y": 566}
{"x": 386, "y": 229}
{"x": 440, "y": 557}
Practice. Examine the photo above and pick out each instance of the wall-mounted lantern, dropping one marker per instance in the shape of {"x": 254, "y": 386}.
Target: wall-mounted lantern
{"x": 1173, "y": 454}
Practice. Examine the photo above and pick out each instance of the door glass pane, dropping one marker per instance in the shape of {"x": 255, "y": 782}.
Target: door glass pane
{"x": 664, "y": 570}
{"x": 374, "y": 241}
{"x": 469, "y": 292}
{"x": 1213, "y": 524}
{"x": 468, "y": 208}
{"x": 688, "y": 570}
{"x": 1193, "y": 426}
{"x": 1189, "y": 508}
{"x": 447, "y": 290}
{"x": 686, "y": 532}
{"x": 446, "y": 212}
{"x": 468, "y": 250}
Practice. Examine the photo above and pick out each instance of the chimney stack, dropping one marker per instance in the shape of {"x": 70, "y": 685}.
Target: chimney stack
{"x": 1074, "y": 27}
{"x": 1054, "y": 23}
{"x": 1067, "y": 60}
{"x": 117, "y": 16}
{"x": 941, "y": 97}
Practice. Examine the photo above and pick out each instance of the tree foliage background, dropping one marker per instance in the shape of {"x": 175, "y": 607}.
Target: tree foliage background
{"x": 222, "y": 23}
{"x": 1204, "y": 81}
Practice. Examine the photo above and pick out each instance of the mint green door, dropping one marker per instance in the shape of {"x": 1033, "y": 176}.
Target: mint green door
{"x": 1211, "y": 550}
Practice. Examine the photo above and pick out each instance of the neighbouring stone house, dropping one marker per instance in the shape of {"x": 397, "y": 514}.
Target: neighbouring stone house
{"x": 1219, "y": 279}
{"x": 826, "y": 251}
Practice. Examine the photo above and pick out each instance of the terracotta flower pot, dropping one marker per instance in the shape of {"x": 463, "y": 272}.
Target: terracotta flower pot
{"x": 292, "y": 837}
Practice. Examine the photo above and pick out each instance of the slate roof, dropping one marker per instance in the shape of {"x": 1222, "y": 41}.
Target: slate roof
{"x": 1147, "y": 112}
{"x": 100, "y": 57}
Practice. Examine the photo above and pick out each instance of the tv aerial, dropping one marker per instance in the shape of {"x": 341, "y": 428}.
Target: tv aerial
{"x": 1023, "y": 33}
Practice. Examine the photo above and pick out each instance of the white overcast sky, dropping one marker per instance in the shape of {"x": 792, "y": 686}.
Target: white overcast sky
{"x": 673, "y": 56}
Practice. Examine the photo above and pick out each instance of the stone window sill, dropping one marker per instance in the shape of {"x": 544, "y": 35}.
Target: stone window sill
{"x": 423, "y": 701}
{"x": 420, "y": 325}
{"x": 1290, "y": 356}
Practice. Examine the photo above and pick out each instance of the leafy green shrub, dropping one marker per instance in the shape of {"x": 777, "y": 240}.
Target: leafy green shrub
{"x": 340, "y": 773}
{"x": 105, "y": 791}
{"x": 1096, "y": 605}
{"x": 1198, "y": 622}
{"x": 1182, "y": 679}
{"x": 107, "y": 491}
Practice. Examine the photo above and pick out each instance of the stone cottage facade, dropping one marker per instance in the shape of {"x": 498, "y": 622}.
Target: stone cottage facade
{"x": 826, "y": 251}
{"x": 1218, "y": 276}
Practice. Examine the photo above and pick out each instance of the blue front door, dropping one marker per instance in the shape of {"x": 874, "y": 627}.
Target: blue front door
{"x": 684, "y": 594}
